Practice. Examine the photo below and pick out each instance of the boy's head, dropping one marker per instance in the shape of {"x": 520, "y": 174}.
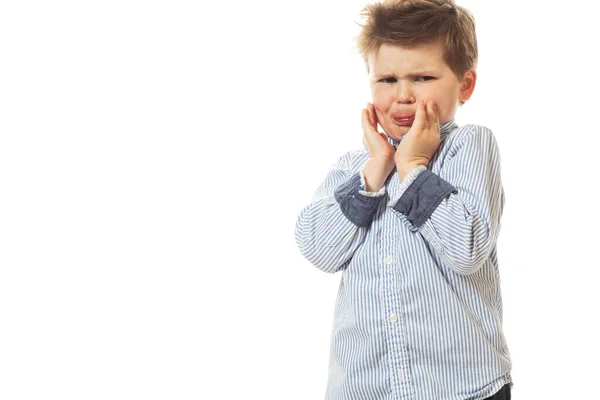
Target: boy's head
{"x": 417, "y": 50}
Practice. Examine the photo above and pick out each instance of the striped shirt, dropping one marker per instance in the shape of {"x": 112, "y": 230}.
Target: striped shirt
{"x": 418, "y": 313}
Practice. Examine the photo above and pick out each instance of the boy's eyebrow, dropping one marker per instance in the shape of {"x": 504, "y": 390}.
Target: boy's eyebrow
{"x": 416, "y": 73}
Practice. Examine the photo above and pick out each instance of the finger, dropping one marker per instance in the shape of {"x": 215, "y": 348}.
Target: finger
{"x": 376, "y": 122}
{"x": 430, "y": 115}
{"x": 366, "y": 124}
{"x": 364, "y": 119}
{"x": 420, "y": 116}
{"x": 436, "y": 120}
{"x": 375, "y": 118}
{"x": 372, "y": 117}
{"x": 433, "y": 119}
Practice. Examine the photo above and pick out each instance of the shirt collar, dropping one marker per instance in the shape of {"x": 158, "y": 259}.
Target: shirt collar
{"x": 445, "y": 130}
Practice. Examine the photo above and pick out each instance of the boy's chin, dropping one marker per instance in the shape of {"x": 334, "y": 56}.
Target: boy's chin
{"x": 398, "y": 132}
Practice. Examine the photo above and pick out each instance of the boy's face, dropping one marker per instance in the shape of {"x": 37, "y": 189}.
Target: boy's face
{"x": 401, "y": 76}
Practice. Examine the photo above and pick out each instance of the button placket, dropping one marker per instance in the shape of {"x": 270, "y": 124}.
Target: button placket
{"x": 389, "y": 260}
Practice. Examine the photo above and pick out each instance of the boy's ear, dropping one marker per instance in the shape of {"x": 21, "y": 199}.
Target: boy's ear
{"x": 467, "y": 86}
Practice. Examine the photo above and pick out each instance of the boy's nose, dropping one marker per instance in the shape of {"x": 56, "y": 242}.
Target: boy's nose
{"x": 404, "y": 94}
{"x": 405, "y": 98}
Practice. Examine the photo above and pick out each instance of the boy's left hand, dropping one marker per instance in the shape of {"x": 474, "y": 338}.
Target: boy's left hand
{"x": 422, "y": 140}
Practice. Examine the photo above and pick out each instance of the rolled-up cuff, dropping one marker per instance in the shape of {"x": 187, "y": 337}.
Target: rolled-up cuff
{"x": 422, "y": 197}
{"x": 358, "y": 208}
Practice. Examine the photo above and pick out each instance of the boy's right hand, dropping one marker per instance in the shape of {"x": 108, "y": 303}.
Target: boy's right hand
{"x": 374, "y": 141}
{"x": 381, "y": 161}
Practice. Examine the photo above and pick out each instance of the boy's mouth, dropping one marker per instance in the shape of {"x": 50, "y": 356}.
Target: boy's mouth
{"x": 404, "y": 121}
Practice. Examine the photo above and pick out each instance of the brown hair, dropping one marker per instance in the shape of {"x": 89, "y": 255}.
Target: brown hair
{"x": 411, "y": 23}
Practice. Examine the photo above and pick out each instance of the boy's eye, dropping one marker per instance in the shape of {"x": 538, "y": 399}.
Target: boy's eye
{"x": 417, "y": 78}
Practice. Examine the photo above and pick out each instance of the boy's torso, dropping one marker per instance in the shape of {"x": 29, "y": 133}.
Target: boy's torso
{"x": 405, "y": 325}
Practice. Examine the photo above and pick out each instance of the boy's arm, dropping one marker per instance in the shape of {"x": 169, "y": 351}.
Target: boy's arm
{"x": 334, "y": 224}
{"x": 459, "y": 215}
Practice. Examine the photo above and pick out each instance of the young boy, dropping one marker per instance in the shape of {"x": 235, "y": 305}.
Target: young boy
{"x": 412, "y": 221}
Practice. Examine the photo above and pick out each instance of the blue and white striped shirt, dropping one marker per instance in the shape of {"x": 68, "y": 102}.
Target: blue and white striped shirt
{"x": 418, "y": 313}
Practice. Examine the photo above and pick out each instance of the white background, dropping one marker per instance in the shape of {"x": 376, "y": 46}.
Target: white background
{"x": 154, "y": 157}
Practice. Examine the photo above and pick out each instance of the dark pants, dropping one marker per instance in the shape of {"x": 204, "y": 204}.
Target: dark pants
{"x": 502, "y": 394}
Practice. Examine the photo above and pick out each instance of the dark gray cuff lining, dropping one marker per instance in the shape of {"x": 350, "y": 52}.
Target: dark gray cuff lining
{"x": 423, "y": 196}
{"x": 359, "y": 209}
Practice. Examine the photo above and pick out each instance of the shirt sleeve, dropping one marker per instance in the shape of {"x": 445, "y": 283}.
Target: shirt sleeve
{"x": 458, "y": 212}
{"x": 335, "y": 222}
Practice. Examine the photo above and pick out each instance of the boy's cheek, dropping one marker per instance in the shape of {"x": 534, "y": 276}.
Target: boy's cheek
{"x": 377, "y": 104}
{"x": 381, "y": 105}
{"x": 445, "y": 112}
{"x": 382, "y": 98}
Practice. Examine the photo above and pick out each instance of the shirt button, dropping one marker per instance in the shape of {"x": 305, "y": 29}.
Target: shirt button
{"x": 393, "y": 317}
{"x": 389, "y": 260}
